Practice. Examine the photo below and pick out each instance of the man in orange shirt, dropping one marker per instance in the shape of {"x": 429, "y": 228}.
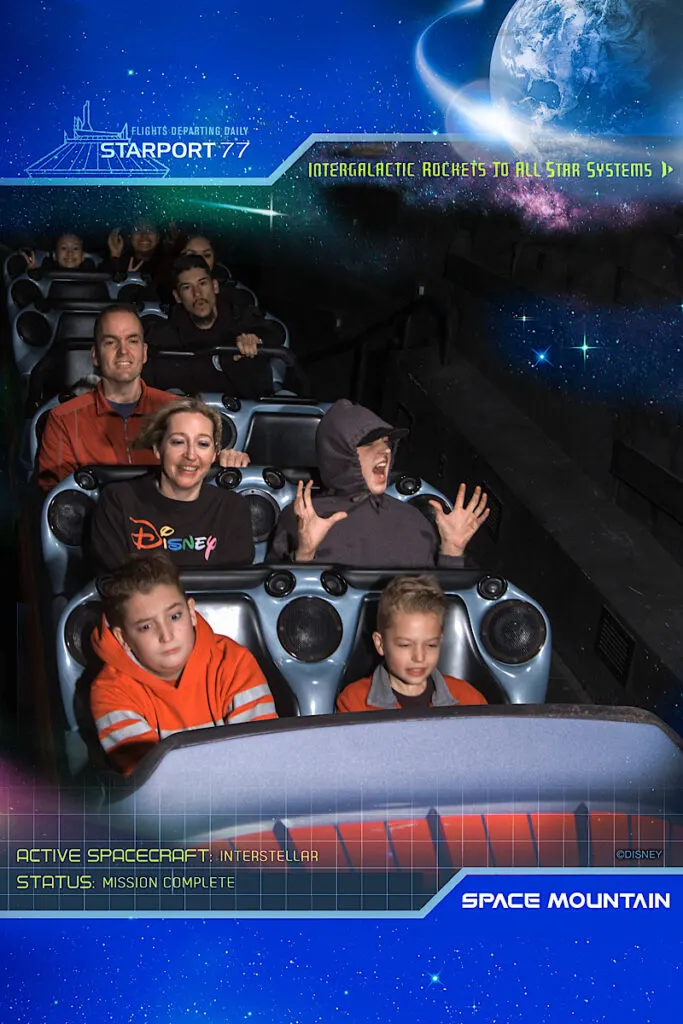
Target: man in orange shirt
{"x": 165, "y": 670}
{"x": 100, "y": 426}
{"x": 409, "y": 635}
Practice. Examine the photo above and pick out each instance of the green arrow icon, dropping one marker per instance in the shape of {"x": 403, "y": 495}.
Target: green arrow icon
{"x": 666, "y": 168}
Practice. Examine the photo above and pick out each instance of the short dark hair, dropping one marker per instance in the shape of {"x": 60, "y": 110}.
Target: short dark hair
{"x": 183, "y": 263}
{"x": 139, "y": 574}
{"x": 413, "y": 594}
{"x": 117, "y": 307}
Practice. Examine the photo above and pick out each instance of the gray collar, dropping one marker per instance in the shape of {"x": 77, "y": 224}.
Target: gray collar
{"x": 381, "y": 695}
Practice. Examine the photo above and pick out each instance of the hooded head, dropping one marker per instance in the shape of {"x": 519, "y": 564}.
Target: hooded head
{"x": 341, "y": 432}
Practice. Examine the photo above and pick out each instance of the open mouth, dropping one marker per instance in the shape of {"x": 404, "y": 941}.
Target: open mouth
{"x": 379, "y": 471}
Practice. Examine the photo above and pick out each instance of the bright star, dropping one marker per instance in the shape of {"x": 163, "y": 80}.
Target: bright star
{"x": 585, "y": 348}
{"x": 435, "y": 979}
{"x": 541, "y": 357}
{"x": 131, "y": 71}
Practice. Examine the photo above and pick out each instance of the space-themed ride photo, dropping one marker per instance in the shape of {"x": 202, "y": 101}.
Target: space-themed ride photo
{"x": 342, "y": 510}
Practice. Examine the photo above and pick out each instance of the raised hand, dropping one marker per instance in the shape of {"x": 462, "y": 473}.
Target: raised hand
{"x": 30, "y": 258}
{"x": 231, "y": 457}
{"x": 456, "y": 528}
{"x": 248, "y": 345}
{"x": 312, "y": 529}
{"x": 115, "y": 243}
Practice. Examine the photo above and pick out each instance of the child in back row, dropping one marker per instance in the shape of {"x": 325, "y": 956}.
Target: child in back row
{"x": 165, "y": 670}
{"x": 409, "y": 635}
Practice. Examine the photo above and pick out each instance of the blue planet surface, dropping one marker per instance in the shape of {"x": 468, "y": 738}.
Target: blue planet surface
{"x": 591, "y": 67}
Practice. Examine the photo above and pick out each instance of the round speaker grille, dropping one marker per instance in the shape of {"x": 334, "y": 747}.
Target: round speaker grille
{"x": 513, "y": 632}
{"x": 86, "y": 479}
{"x": 274, "y": 478}
{"x": 491, "y": 587}
{"x": 229, "y": 478}
{"x": 25, "y": 292}
{"x": 79, "y": 627}
{"x": 231, "y": 404}
{"x": 409, "y": 485}
{"x": 228, "y": 432}
{"x": 333, "y": 583}
{"x": 421, "y": 502}
{"x": 66, "y": 516}
{"x": 279, "y": 584}
{"x": 34, "y": 329}
{"x": 131, "y": 293}
{"x": 309, "y": 629}
{"x": 264, "y": 513}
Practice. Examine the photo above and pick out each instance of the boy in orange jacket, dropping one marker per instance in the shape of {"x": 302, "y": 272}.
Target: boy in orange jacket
{"x": 409, "y": 635}
{"x": 165, "y": 670}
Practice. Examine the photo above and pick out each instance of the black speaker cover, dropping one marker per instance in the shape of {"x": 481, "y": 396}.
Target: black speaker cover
{"x": 264, "y": 514}
{"x": 333, "y": 583}
{"x": 79, "y": 627}
{"x": 229, "y": 478}
{"x": 421, "y": 502}
{"x": 513, "y": 632}
{"x": 228, "y": 432}
{"x": 408, "y": 485}
{"x": 491, "y": 587}
{"x": 24, "y": 292}
{"x": 34, "y": 329}
{"x": 280, "y": 584}
{"x": 66, "y": 516}
{"x": 309, "y": 629}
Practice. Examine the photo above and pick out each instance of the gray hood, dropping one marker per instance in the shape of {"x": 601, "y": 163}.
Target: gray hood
{"x": 339, "y": 433}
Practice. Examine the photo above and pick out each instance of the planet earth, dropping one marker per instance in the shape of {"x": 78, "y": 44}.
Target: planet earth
{"x": 591, "y": 67}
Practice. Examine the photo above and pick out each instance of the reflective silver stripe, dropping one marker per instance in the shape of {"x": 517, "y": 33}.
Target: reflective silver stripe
{"x": 188, "y": 728}
{"x": 125, "y": 733}
{"x": 112, "y": 717}
{"x": 247, "y": 696}
{"x": 264, "y": 708}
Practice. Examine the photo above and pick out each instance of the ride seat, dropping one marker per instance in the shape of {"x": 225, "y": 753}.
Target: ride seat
{"x": 311, "y": 632}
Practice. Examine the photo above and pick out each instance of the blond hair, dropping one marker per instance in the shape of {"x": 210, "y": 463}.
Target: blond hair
{"x": 157, "y": 425}
{"x": 411, "y": 594}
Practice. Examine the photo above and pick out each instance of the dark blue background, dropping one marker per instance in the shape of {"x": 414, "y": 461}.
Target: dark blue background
{"x": 542, "y": 966}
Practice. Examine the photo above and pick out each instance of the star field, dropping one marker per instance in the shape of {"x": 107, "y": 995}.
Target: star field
{"x": 282, "y": 71}
{"x": 635, "y": 354}
{"x": 455, "y": 965}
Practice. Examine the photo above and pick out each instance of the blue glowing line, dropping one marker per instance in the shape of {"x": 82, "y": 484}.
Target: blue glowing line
{"x": 242, "y": 209}
{"x": 441, "y": 89}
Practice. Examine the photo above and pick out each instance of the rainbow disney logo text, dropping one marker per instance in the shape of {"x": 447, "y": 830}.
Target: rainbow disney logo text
{"x": 148, "y": 536}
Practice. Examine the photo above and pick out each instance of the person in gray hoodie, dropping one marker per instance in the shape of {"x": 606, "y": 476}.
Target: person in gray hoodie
{"x": 355, "y": 523}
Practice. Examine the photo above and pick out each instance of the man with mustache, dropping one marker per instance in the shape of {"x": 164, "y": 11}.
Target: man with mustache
{"x": 206, "y": 317}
